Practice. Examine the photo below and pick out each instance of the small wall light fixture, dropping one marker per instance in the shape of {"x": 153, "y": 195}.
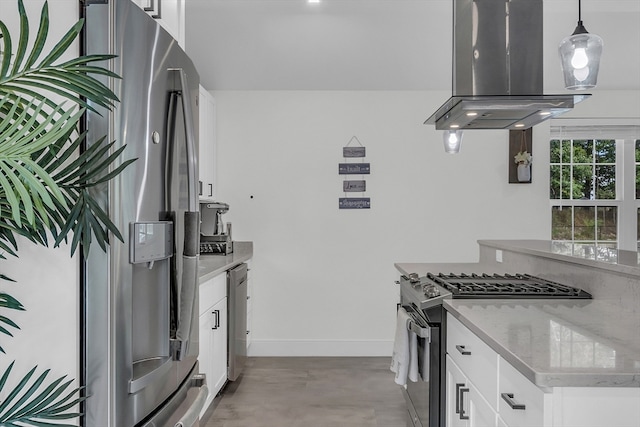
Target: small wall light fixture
{"x": 452, "y": 140}
{"x": 580, "y": 56}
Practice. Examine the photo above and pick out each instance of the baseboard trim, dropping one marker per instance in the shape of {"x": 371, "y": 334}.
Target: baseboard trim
{"x": 319, "y": 348}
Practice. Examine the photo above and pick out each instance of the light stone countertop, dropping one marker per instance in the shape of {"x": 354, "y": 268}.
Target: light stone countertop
{"x": 568, "y": 343}
{"x": 210, "y": 266}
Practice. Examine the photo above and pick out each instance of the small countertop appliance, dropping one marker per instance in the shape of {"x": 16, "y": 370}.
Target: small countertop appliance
{"x": 213, "y": 238}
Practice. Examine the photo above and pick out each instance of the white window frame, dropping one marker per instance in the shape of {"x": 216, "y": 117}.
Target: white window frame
{"x": 625, "y": 132}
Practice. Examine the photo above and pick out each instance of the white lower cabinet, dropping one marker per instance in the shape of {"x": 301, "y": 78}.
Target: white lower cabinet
{"x": 521, "y": 403}
{"x": 481, "y": 393}
{"x": 213, "y": 334}
{"x": 466, "y": 407}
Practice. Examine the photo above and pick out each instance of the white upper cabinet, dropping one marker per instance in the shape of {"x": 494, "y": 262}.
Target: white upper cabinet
{"x": 207, "y": 144}
{"x": 169, "y": 13}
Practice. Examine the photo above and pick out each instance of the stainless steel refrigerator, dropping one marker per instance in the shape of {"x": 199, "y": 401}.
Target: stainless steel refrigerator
{"x": 140, "y": 328}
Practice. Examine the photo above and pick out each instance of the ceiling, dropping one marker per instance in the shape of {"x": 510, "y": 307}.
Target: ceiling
{"x": 377, "y": 44}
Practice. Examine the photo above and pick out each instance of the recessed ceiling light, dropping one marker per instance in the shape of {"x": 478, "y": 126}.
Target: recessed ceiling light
{"x": 520, "y": 125}
{"x": 454, "y": 126}
{"x": 472, "y": 114}
{"x": 545, "y": 113}
{"x": 313, "y": 1}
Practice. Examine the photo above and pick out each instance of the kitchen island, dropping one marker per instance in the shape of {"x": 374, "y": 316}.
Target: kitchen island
{"x": 568, "y": 362}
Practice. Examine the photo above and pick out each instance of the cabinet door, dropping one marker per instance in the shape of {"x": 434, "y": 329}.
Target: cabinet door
{"x": 481, "y": 414}
{"x": 219, "y": 347}
{"x": 521, "y": 402}
{"x": 206, "y": 352}
{"x": 465, "y": 405}
{"x": 457, "y": 391}
{"x": 206, "y": 143}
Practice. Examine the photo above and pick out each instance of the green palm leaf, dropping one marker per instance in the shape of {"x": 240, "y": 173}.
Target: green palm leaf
{"x": 46, "y": 187}
{"x": 35, "y": 403}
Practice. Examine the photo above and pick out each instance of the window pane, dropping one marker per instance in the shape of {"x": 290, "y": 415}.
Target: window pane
{"x": 555, "y": 151}
{"x": 605, "y": 151}
{"x": 561, "y": 223}
{"x": 566, "y": 151}
{"x": 637, "y": 181}
{"x": 582, "y": 151}
{"x": 637, "y": 150}
{"x": 554, "y": 182}
{"x": 584, "y": 223}
{"x": 606, "y": 182}
{"x": 566, "y": 182}
{"x": 607, "y": 223}
{"x": 582, "y": 182}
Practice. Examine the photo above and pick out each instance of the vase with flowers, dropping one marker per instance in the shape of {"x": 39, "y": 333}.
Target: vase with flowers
{"x": 523, "y": 159}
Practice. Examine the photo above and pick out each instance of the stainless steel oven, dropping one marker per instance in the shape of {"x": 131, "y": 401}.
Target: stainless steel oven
{"x": 421, "y": 298}
{"x": 424, "y": 394}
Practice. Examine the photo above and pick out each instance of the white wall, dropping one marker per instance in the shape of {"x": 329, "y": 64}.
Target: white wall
{"x": 324, "y": 278}
{"x": 47, "y": 279}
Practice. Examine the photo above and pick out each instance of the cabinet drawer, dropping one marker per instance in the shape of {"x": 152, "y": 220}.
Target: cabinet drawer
{"x": 475, "y": 358}
{"x": 212, "y": 291}
{"x": 515, "y": 389}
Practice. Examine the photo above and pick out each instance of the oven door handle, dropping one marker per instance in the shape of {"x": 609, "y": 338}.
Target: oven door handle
{"x": 413, "y": 326}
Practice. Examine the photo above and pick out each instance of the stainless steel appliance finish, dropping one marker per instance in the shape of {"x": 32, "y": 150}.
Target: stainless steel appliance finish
{"x": 424, "y": 394}
{"x": 498, "y": 68}
{"x": 141, "y": 299}
{"x": 422, "y": 298}
{"x": 237, "y": 301}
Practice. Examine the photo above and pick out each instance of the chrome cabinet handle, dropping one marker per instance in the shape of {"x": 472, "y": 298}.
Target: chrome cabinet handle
{"x": 508, "y": 397}
{"x": 462, "y": 350}
{"x": 458, "y": 386}
{"x": 157, "y": 13}
{"x": 216, "y": 324}
{"x": 210, "y": 190}
{"x": 463, "y": 416}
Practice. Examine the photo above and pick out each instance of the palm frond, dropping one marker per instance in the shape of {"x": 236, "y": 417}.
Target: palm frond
{"x": 33, "y": 402}
{"x": 34, "y": 77}
{"x": 8, "y": 302}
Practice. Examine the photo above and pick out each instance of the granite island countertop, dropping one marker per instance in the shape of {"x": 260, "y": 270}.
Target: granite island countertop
{"x": 210, "y": 266}
{"x": 568, "y": 343}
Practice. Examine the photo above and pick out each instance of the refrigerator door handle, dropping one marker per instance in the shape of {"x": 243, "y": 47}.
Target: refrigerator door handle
{"x": 189, "y": 288}
{"x": 192, "y": 157}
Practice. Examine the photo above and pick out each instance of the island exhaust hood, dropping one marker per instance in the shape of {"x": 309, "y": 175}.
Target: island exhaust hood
{"x": 497, "y": 68}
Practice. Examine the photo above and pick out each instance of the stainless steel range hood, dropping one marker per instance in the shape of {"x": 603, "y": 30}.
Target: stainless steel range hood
{"x": 497, "y": 68}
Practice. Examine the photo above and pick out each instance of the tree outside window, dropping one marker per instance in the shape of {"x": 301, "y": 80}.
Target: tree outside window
{"x": 584, "y": 170}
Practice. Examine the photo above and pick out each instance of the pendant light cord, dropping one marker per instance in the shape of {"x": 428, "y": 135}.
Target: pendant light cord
{"x": 580, "y": 12}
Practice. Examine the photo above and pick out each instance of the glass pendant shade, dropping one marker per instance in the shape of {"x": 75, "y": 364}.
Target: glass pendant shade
{"x": 452, "y": 141}
{"x": 580, "y": 55}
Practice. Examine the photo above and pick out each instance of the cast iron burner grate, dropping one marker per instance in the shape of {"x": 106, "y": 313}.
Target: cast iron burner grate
{"x": 504, "y": 286}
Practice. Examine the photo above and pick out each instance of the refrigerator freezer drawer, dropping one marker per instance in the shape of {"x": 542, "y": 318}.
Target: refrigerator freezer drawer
{"x": 184, "y": 407}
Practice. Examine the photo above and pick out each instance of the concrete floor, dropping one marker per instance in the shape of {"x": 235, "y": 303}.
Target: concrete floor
{"x": 310, "y": 392}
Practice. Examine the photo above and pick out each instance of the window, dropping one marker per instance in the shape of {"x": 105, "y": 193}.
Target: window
{"x": 592, "y": 210}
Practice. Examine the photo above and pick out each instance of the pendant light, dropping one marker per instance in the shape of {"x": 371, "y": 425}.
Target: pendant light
{"x": 452, "y": 140}
{"x": 580, "y": 57}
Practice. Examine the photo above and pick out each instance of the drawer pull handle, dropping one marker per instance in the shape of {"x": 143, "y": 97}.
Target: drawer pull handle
{"x": 462, "y": 350}
{"x": 458, "y": 385}
{"x": 508, "y": 397}
{"x": 462, "y": 414}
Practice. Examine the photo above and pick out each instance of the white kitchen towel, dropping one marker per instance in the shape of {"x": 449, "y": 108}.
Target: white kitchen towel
{"x": 405, "y": 350}
{"x": 413, "y": 357}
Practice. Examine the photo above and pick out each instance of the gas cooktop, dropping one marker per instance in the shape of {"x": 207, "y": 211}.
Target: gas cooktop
{"x": 430, "y": 290}
{"x": 504, "y": 286}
